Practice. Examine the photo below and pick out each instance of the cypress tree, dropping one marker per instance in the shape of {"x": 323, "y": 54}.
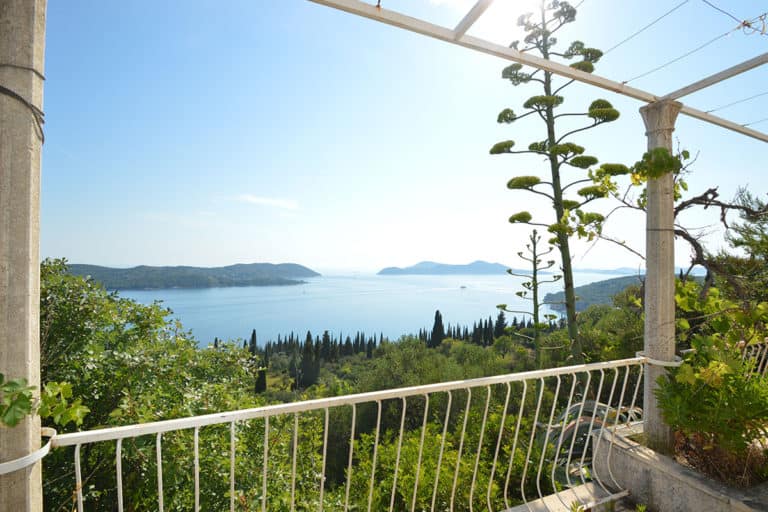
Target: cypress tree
{"x": 476, "y": 334}
{"x": 438, "y": 331}
{"x": 501, "y": 324}
{"x": 307, "y": 377}
{"x": 294, "y": 370}
{"x": 261, "y": 380}
{"x": 325, "y": 351}
{"x": 369, "y": 348}
{"x": 252, "y": 347}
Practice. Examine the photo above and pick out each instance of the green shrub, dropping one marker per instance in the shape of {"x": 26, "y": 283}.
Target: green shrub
{"x": 714, "y": 400}
{"x": 713, "y": 395}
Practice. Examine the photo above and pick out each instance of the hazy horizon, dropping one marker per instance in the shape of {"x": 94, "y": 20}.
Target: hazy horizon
{"x": 342, "y": 271}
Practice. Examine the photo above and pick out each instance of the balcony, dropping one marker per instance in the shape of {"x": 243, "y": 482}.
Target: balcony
{"x": 509, "y": 442}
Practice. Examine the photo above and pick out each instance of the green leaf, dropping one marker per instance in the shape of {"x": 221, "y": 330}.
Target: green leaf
{"x": 514, "y": 74}
{"x": 599, "y": 104}
{"x": 588, "y": 218}
{"x": 502, "y": 147}
{"x": 570, "y": 205}
{"x": 602, "y": 111}
{"x": 558, "y": 227}
{"x": 541, "y": 102}
{"x": 539, "y": 146}
{"x": 17, "y": 401}
{"x": 592, "y": 191}
{"x": 17, "y": 408}
{"x": 685, "y": 374}
{"x": 523, "y": 182}
{"x": 567, "y": 148}
{"x": 506, "y": 116}
{"x": 576, "y": 48}
{"x": 521, "y": 217}
{"x": 512, "y": 68}
{"x": 657, "y": 162}
{"x": 721, "y": 324}
{"x": 584, "y": 66}
{"x": 582, "y": 161}
{"x": 612, "y": 170}
{"x": 592, "y": 54}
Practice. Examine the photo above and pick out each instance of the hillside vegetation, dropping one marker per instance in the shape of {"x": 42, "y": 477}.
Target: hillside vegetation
{"x": 601, "y": 292}
{"x": 129, "y": 363}
{"x": 145, "y": 277}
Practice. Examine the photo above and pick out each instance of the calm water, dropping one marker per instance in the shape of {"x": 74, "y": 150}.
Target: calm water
{"x": 392, "y": 305}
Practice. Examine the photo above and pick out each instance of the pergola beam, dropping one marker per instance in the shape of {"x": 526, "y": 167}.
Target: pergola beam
{"x": 434, "y": 31}
{"x": 472, "y": 16}
{"x": 718, "y": 77}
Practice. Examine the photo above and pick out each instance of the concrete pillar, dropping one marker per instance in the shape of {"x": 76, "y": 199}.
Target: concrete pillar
{"x": 22, "y": 45}
{"x": 659, "y": 118}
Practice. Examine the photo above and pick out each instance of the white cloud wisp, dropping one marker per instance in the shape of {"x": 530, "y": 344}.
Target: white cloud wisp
{"x": 273, "y": 202}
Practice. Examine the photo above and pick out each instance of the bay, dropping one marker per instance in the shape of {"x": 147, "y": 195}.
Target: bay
{"x": 388, "y": 305}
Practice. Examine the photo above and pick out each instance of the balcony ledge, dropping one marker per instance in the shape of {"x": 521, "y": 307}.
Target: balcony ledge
{"x": 662, "y": 484}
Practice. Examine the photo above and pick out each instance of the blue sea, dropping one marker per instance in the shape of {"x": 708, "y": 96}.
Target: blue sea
{"x": 388, "y": 305}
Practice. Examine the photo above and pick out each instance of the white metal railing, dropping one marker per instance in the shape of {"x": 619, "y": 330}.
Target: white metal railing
{"x": 482, "y": 444}
{"x": 758, "y": 353}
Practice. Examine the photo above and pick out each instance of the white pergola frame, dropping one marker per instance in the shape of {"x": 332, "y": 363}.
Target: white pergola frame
{"x": 659, "y": 116}
{"x": 22, "y": 45}
{"x": 459, "y": 37}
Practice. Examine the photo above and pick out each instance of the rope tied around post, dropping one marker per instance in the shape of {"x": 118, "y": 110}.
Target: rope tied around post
{"x": 656, "y": 362}
{"x": 23, "y": 68}
{"x": 37, "y": 115}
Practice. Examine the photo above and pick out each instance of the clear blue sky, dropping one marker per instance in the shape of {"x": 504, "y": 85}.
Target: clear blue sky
{"x": 213, "y": 132}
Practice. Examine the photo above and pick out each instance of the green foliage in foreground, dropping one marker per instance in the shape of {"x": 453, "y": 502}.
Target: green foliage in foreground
{"x": 130, "y": 363}
{"x": 15, "y": 400}
{"x": 714, "y": 392}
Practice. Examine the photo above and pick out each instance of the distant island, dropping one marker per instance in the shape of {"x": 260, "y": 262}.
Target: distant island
{"x": 433, "y": 268}
{"x": 149, "y": 278}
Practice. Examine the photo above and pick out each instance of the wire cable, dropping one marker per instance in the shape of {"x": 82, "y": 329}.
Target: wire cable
{"x": 755, "y": 122}
{"x": 736, "y": 102}
{"x": 737, "y": 20}
{"x": 647, "y": 26}
{"x": 698, "y": 48}
{"x": 743, "y": 25}
{"x": 747, "y": 25}
{"x": 749, "y": 28}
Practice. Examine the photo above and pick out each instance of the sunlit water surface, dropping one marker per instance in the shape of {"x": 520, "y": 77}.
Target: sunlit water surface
{"x": 392, "y": 305}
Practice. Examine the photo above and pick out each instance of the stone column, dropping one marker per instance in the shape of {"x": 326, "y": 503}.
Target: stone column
{"x": 22, "y": 45}
{"x": 659, "y": 118}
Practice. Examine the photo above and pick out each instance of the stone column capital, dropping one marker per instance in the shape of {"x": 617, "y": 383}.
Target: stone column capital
{"x": 660, "y": 116}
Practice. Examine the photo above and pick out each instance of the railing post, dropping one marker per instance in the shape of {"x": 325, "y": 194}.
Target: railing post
{"x": 22, "y": 45}
{"x": 659, "y": 118}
